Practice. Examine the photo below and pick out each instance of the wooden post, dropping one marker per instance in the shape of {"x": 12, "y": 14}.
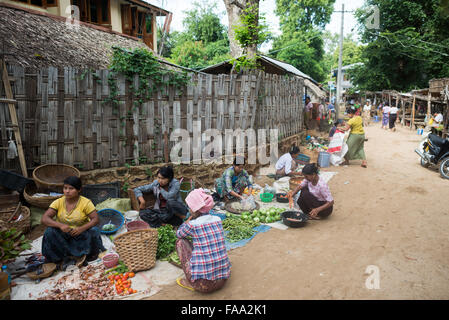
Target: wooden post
{"x": 403, "y": 112}
{"x": 15, "y": 123}
{"x": 397, "y": 103}
{"x": 413, "y": 113}
{"x": 429, "y": 105}
{"x": 446, "y": 121}
{"x": 166, "y": 153}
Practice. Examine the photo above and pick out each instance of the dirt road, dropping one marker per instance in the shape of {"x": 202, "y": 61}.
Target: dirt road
{"x": 393, "y": 215}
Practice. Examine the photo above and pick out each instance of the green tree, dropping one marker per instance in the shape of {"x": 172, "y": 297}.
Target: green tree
{"x": 301, "y": 42}
{"x": 410, "y": 47}
{"x": 203, "y": 42}
{"x": 203, "y": 24}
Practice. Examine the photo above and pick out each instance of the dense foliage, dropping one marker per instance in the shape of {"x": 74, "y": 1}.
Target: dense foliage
{"x": 301, "y": 42}
{"x": 203, "y": 42}
{"x": 410, "y": 47}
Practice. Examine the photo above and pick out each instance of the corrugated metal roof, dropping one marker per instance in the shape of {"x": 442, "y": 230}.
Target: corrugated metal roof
{"x": 288, "y": 67}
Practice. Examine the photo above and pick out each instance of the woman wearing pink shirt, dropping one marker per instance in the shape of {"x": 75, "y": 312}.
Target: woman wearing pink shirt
{"x": 315, "y": 198}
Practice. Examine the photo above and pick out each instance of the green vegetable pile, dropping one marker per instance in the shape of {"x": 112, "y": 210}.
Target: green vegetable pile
{"x": 238, "y": 228}
{"x": 166, "y": 241}
{"x": 12, "y": 242}
{"x": 174, "y": 258}
{"x": 108, "y": 227}
{"x": 264, "y": 215}
{"x": 120, "y": 268}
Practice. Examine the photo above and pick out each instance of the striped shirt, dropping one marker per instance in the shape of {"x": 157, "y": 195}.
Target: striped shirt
{"x": 209, "y": 257}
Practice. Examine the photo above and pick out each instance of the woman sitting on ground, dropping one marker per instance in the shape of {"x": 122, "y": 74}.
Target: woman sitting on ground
{"x": 356, "y": 139}
{"x": 73, "y": 234}
{"x": 204, "y": 261}
{"x": 315, "y": 199}
{"x": 169, "y": 207}
{"x": 233, "y": 181}
{"x": 286, "y": 165}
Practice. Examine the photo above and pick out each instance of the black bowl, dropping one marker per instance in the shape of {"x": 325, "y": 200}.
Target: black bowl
{"x": 294, "y": 215}
{"x": 279, "y": 199}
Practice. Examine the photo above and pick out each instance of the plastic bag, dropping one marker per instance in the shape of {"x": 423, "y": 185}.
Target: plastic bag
{"x": 269, "y": 189}
{"x": 248, "y": 203}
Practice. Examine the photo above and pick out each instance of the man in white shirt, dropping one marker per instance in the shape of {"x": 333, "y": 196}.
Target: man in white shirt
{"x": 366, "y": 114}
{"x": 393, "y": 117}
{"x": 438, "y": 117}
{"x": 286, "y": 164}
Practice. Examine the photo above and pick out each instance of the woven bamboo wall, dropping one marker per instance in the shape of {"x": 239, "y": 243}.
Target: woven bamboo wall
{"x": 63, "y": 117}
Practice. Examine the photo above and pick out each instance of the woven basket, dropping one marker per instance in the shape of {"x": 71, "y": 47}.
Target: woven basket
{"x": 295, "y": 182}
{"x": 48, "y": 269}
{"x": 138, "y": 249}
{"x": 53, "y": 175}
{"x": 24, "y": 225}
{"x": 41, "y": 202}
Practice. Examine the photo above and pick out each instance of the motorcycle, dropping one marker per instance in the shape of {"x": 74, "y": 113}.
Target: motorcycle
{"x": 434, "y": 150}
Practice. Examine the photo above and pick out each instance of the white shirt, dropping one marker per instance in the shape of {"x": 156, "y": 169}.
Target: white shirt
{"x": 393, "y": 110}
{"x": 386, "y": 109}
{"x": 367, "y": 108}
{"x": 285, "y": 162}
{"x": 439, "y": 118}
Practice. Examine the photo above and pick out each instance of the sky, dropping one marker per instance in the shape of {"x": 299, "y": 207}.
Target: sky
{"x": 267, "y": 7}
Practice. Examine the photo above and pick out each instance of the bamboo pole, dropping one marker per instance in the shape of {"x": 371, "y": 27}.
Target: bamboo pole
{"x": 413, "y": 113}
{"x": 429, "y": 105}
{"x": 15, "y": 122}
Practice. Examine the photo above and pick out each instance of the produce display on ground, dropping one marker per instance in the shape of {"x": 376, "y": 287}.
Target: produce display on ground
{"x": 12, "y": 242}
{"x": 264, "y": 215}
{"x": 166, "y": 241}
{"x": 93, "y": 284}
{"x": 237, "y": 229}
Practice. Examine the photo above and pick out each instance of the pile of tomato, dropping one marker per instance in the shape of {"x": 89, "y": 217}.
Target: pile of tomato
{"x": 122, "y": 283}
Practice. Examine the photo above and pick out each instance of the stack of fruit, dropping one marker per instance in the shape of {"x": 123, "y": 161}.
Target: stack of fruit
{"x": 264, "y": 215}
{"x": 122, "y": 283}
{"x": 254, "y": 191}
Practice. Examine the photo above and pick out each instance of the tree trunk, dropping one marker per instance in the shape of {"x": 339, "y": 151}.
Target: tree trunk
{"x": 235, "y": 9}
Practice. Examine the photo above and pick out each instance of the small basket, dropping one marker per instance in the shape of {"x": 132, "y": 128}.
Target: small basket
{"x": 266, "y": 197}
{"x": 281, "y": 200}
{"x": 53, "y": 175}
{"x": 295, "y": 215}
{"x": 48, "y": 269}
{"x": 41, "y": 202}
{"x": 110, "y": 260}
{"x": 294, "y": 182}
{"x": 137, "y": 225}
{"x": 138, "y": 248}
{"x": 112, "y": 215}
{"x": 24, "y": 225}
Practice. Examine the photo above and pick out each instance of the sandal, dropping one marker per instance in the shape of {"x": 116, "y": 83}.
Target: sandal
{"x": 178, "y": 281}
{"x": 314, "y": 218}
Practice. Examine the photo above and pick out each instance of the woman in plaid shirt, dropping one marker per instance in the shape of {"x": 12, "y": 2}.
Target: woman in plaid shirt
{"x": 204, "y": 260}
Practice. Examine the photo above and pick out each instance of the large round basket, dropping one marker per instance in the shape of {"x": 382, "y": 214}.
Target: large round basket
{"x": 23, "y": 225}
{"x": 49, "y": 176}
{"x": 138, "y": 249}
{"x": 228, "y": 207}
{"x": 40, "y": 202}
